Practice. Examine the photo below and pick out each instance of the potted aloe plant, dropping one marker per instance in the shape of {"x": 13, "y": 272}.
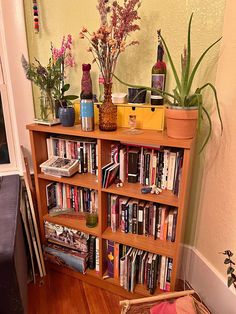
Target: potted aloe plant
{"x": 185, "y": 109}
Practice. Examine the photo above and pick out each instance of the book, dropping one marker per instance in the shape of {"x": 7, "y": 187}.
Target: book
{"x": 123, "y": 164}
{"x": 163, "y": 272}
{"x": 51, "y": 195}
{"x": 122, "y": 271}
{"x": 92, "y": 252}
{"x": 141, "y": 206}
{"x": 65, "y": 257}
{"x": 116, "y": 260}
{"x": 171, "y": 171}
{"x": 57, "y": 166}
{"x": 133, "y": 158}
{"x": 111, "y": 175}
{"x": 104, "y": 173}
{"x": 114, "y": 212}
{"x": 110, "y": 258}
{"x": 97, "y": 265}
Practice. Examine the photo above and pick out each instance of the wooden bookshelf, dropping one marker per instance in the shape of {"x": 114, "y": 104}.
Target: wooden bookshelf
{"x": 38, "y": 136}
{"x": 134, "y": 190}
{"x": 73, "y": 222}
{"x": 165, "y": 248}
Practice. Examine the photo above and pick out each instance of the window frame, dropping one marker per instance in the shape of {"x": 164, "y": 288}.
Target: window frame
{"x": 12, "y": 166}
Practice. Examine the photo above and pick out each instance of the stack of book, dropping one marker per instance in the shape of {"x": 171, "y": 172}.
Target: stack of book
{"x": 140, "y": 217}
{"x": 82, "y": 149}
{"x": 65, "y": 196}
{"x": 132, "y": 266}
{"x": 71, "y": 248}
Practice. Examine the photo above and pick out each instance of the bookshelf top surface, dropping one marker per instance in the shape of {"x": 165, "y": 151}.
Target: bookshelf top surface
{"x": 148, "y": 137}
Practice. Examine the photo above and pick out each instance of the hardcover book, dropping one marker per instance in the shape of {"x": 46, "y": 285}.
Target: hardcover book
{"x": 65, "y": 257}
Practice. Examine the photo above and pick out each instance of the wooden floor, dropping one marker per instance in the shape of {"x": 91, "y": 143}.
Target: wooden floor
{"x": 61, "y": 294}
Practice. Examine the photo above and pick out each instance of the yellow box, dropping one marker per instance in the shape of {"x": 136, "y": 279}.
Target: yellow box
{"x": 147, "y": 116}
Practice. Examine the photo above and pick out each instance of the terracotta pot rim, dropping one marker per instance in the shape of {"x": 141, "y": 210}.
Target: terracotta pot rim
{"x": 181, "y": 108}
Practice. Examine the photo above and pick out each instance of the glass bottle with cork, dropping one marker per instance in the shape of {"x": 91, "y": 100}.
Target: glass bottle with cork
{"x": 158, "y": 74}
{"x": 86, "y": 100}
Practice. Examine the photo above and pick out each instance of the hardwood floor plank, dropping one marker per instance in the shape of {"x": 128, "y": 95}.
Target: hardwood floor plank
{"x": 62, "y": 294}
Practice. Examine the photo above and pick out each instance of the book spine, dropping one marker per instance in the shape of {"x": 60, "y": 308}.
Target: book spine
{"x": 175, "y": 214}
{"x": 110, "y": 258}
{"x": 126, "y": 218}
{"x": 122, "y": 271}
{"x": 116, "y": 260}
{"x": 140, "y": 219}
{"x": 97, "y": 256}
{"x": 163, "y": 272}
{"x": 92, "y": 245}
{"x": 135, "y": 219}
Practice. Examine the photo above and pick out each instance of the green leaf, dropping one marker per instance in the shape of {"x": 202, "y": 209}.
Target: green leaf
{"x": 65, "y": 88}
{"x": 186, "y": 76}
{"x": 230, "y": 270}
{"x": 231, "y": 280}
{"x": 70, "y": 97}
{"x": 189, "y": 85}
{"x": 210, "y": 129}
{"x": 172, "y": 65}
{"x": 227, "y": 261}
{"x": 219, "y": 115}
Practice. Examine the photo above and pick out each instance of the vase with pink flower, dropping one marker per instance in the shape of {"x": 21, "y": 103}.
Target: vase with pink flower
{"x": 107, "y": 43}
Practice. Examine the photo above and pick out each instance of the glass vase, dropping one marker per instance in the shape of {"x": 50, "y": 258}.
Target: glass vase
{"x": 47, "y": 114}
{"x": 107, "y": 111}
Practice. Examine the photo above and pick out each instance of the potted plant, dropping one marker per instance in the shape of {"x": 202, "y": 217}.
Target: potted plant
{"x": 185, "y": 108}
{"x": 45, "y": 77}
{"x": 62, "y": 59}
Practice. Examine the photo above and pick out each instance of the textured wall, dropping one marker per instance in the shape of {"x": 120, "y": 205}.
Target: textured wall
{"x": 216, "y": 230}
{"x": 62, "y": 17}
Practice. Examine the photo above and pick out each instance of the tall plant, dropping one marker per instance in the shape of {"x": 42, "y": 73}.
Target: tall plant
{"x": 182, "y": 96}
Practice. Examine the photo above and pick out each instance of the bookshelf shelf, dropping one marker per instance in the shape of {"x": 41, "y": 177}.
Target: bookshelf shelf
{"x": 134, "y": 190}
{"x": 74, "y": 223}
{"x": 139, "y": 289}
{"x": 86, "y": 180}
{"x": 149, "y": 138}
{"x": 166, "y": 248}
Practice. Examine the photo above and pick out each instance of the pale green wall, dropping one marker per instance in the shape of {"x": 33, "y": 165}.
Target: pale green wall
{"x": 62, "y": 17}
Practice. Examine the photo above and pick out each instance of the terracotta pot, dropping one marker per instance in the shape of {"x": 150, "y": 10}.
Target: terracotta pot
{"x": 181, "y": 123}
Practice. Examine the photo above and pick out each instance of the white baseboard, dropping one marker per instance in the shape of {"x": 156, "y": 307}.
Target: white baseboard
{"x": 208, "y": 282}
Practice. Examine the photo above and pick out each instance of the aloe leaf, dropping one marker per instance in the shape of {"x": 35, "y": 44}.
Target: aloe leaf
{"x": 177, "y": 96}
{"x": 198, "y": 96}
{"x": 189, "y": 85}
{"x": 160, "y": 92}
{"x": 216, "y": 100}
{"x": 172, "y": 65}
{"x": 210, "y": 129}
{"x": 186, "y": 76}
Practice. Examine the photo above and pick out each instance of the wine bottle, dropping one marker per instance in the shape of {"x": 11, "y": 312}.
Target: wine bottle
{"x": 158, "y": 75}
